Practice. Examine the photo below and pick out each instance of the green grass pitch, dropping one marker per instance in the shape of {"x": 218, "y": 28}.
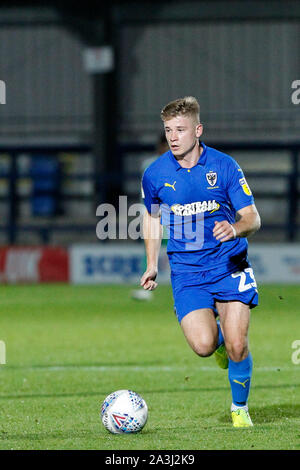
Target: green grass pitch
{"x": 67, "y": 347}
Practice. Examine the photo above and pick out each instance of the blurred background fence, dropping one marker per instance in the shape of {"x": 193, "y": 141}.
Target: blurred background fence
{"x": 48, "y": 193}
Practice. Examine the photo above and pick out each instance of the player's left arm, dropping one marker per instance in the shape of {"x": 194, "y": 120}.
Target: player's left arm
{"x": 248, "y": 222}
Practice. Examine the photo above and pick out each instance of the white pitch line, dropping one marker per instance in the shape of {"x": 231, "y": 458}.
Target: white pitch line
{"x": 170, "y": 368}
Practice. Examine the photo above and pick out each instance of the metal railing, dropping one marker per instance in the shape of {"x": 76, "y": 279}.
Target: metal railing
{"x": 13, "y": 226}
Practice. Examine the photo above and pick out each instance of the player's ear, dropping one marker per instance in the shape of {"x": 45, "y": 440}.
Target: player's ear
{"x": 199, "y": 129}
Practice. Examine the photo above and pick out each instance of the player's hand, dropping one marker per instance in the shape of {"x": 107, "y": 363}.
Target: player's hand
{"x": 223, "y": 231}
{"x": 148, "y": 279}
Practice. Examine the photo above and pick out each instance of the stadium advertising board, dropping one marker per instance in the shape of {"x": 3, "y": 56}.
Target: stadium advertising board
{"x": 276, "y": 262}
{"x": 122, "y": 263}
{"x": 33, "y": 265}
{"x": 116, "y": 263}
{"x": 92, "y": 264}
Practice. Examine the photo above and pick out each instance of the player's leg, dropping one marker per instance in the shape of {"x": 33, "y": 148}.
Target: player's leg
{"x": 201, "y": 331}
{"x": 195, "y": 311}
{"x": 234, "y": 317}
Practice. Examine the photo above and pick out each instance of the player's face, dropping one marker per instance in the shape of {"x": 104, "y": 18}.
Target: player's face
{"x": 182, "y": 133}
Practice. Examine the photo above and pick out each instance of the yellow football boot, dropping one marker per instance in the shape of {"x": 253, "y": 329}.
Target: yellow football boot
{"x": 241, "y": 418}
{"x": 222, "y": 357}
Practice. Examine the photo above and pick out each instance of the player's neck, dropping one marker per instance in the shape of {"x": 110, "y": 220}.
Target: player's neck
{"x": 191, "y": 157}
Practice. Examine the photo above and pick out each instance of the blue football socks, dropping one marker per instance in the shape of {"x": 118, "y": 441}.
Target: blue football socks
{"x": 239, "y": 374}
{"x": 220, "y": 335}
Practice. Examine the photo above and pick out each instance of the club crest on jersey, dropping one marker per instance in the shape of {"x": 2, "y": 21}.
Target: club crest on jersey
{"x": 211, "y": 178}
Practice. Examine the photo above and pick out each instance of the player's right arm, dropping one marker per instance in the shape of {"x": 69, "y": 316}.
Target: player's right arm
{"x": 241, "y": 199}
{"x": 152, "y": 232}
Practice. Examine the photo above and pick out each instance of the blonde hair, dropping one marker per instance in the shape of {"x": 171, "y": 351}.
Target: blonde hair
{"x": 187, "y": 106}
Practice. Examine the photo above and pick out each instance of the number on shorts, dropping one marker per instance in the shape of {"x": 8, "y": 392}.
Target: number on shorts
{"x": 242, "y": 274}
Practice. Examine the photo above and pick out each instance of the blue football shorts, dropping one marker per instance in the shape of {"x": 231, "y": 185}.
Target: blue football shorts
{"x": 195, "y": 290}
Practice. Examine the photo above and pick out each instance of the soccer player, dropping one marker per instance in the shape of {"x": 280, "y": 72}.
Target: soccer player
{"x": 201, "y": 195}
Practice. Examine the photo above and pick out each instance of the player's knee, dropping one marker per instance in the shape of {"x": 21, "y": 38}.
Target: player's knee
{"x": 204, "y": 348}
{"x": 237, "y": 350}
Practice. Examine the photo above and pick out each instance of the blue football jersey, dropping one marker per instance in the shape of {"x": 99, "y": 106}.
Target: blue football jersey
{"x": 190, "y": 200}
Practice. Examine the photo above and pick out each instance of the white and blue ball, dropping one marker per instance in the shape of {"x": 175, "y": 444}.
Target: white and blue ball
{"x": 124, "y": 411}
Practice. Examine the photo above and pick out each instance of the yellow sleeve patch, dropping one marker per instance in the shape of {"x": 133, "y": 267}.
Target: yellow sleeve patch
{"x": 245, "y": 186}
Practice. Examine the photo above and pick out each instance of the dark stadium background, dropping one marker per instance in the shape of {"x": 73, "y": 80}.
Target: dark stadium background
{"x": 87, "y": 131}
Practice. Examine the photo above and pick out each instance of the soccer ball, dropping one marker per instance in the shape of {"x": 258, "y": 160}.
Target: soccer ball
{"x": 124, "y": 411}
